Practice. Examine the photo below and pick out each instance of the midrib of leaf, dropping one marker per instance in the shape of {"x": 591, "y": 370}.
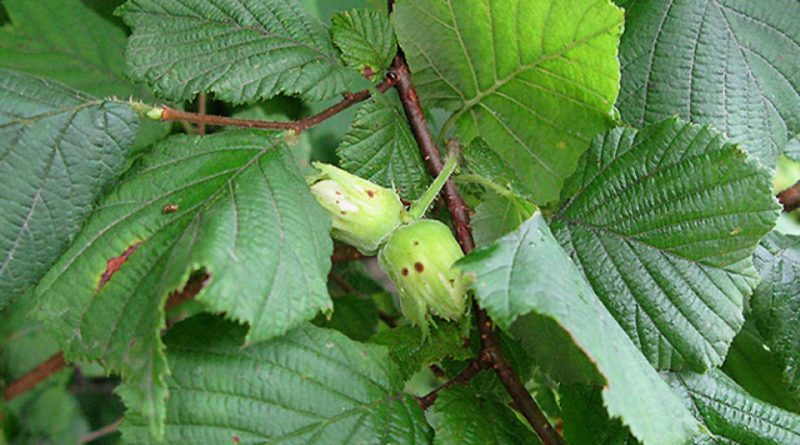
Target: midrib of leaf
{"x": 33, "y": 119}
{"x": 643, "y": 210}
{"x": 259, "y": 30}
{"x": 237, "y": 171}
{"x": 42, "y": 180}
{"x": 499, "y": 83}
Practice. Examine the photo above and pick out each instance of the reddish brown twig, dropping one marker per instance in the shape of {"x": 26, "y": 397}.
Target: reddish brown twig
{"x": 462, "y": 378}
{"x": 56, "y": 362}
{"x": 350, "y": 99}
{"x": 33, "y": 377}
{"x": 491, "y": 354}
{"x": 790, "y": 198}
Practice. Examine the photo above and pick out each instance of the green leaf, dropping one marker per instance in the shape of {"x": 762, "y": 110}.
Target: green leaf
{"x": 240, "y": 51}
{"x": 754, "y": 366}
{"x": 194, "y": 205}
{"x": 484, "y": 162}
{"x": 459, "y": 407}
{"x": 379, "y": 147}
{"x": 353, "y": 316}
{"x": 527, "y": 273}
{"x": 663, "y": 223}
{"x": 366, "y": 40}
{"x": 535, "y": 79}
{"x": 775, "y": 305}
{"x": 412, "y": 352}
{"x": 90, "y": 59}
{"x": 59, "y": 148}
{"x": 498, "y": 215}
{"x": 48, "y": 413}
{"x": 313, "y": 385}
{"x": 730, "y": 415}
{"x": 728, "y": 63}
{"x": 585, "y": 419}
{"x": 24, "y": 343}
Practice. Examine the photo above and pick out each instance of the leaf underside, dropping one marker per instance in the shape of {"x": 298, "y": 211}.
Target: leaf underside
{"x": 526, "y": 282}
{"x": 535, "y": 79}
{"x": 663, "y": 223}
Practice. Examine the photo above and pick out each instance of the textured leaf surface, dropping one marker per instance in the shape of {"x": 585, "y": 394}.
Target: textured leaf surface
{"x": 484, "y": 162}
{"x": 730, "y": 414}
{"x": 526, "y": 273}
{"x": 498, "y": 215}
{"x": 312, "y": 386}
{"x": 754, "y": 366}
{"x": 366, "y": 40}
{"x": 729, "y": 63}
{"x": 379, "y": 147}
{"x": 58, "y": 149}
{"x": 240, "y": 214}
{"x": 239, "y": 50}
{"x": 408, "y": 348}
{"x": 459, "y": 407}
{"x": 663, "y": 223}
{"x": 90, "y": 59}
{"x": 535, "y": 79}
{"x": 775, "y": 305}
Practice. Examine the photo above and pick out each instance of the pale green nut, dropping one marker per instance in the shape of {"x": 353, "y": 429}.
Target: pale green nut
{"x": 363, "y": 213}
{"x": 419, "y": 259}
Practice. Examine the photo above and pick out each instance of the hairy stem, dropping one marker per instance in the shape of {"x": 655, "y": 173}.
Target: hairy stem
{"x": 460, "y": 214}
{"x": 790, "y": 198}
{"x": 350, "y": 99}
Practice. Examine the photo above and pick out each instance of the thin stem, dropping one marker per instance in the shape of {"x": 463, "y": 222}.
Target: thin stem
{"x": 790, "y": 198}
{"x": 350, "y": 99}
{"x": 35, "y": 376}
{"x": 460, "y": 214}
{"x": 56, "y": 362}
{"x": 201, "y": 111}
{"x": 102, "y": 432}
{"x": 424, "y": 202}
{"x": 462, "y": 378}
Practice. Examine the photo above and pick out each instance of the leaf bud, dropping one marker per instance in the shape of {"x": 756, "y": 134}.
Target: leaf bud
{"x": 364, "y": 214}
{"x": 419, "y": 259}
